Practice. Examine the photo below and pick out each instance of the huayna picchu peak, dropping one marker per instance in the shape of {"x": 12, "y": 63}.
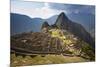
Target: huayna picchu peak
{"x": 61, "y": 20}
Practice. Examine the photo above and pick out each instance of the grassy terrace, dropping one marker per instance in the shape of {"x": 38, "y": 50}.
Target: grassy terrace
{"x": 67, "y": 41}
{"x": 48, "y": 59}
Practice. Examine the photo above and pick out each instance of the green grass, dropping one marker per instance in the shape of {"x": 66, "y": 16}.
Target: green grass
{"x": 48, "y": 59}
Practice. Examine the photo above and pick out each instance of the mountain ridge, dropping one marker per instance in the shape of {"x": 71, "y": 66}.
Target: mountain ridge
{"x": 22, "y": 25}
{"x": 88, "y": 25}
{"x": 64, "y": 23}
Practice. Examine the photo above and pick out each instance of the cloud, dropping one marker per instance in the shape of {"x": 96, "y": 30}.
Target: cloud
{"x": 73, "y": 8}
{"x": 43, "y": 12}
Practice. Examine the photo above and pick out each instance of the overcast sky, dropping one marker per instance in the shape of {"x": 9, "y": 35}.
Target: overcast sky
{"x": 45, "y": 10}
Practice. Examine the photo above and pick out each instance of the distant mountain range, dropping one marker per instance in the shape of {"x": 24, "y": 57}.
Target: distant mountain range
{"x": 22, "y": 23}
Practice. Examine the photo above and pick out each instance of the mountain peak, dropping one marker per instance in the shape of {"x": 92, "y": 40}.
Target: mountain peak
{"x": 63, "y": 15}
{"x": 45, "y": 24}
{"x": 62, "y": 20}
